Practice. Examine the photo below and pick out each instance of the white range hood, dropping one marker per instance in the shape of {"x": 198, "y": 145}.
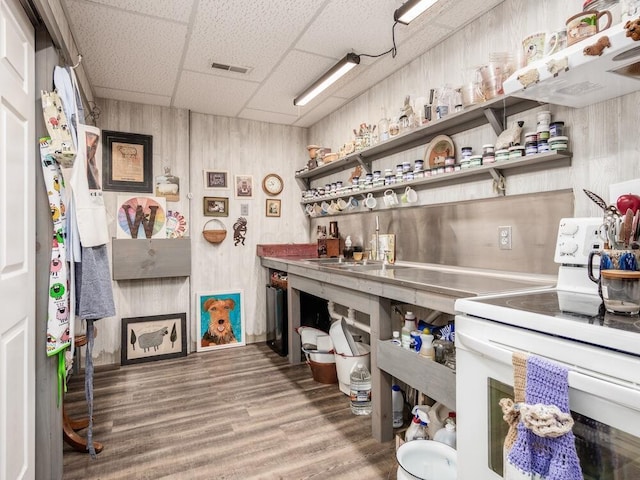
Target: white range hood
{"x": 588, "y": 79}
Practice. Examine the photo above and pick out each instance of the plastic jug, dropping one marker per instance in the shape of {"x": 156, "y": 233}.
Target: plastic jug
{"x": 447, "y": 435}
{"x": 437, "y": 415}
{"x": 397, "y": 402}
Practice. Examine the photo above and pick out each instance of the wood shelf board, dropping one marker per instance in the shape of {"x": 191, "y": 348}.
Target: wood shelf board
{"x": 135, "y": 259}
{"x": 427, "y": 376}
{"x": 453, "y": 123}
{"x": 526, "y": 164}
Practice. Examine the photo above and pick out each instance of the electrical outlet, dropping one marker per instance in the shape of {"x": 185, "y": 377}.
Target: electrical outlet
{"x": 504, "y": 238}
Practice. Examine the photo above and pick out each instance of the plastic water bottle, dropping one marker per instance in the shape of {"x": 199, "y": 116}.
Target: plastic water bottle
{"x": 360, "y": 394}
{"x": 397, "y": 403}
{"x": 409, "y": 326}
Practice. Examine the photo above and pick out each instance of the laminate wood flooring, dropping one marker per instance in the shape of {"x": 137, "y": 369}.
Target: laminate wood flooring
{"x": 235, "y": 413}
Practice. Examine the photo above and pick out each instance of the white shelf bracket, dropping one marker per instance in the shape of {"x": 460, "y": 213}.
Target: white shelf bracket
{"x": 499, "y": 182}
{"x": 494, "y": 120}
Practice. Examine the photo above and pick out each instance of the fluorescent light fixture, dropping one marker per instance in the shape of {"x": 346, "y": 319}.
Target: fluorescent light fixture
{"x": 411, "y": 9}
{"x": 332, "y": 75}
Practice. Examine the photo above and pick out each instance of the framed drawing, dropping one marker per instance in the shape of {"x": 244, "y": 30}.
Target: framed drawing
{"x": 158, "y": 337}
{"x": 272, "y": 208}
{"x": 168, "y": 186}
{"x": 215, "y": 179}
{"x": 220, "y": 320}
{"x": 244, "y": 186}
{"x": 127, "y": 162}
{"x": 215, "y": 207}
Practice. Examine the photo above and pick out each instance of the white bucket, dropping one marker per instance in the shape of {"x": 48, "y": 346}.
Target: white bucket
{"x": 345, "y": 363}
{"x": 426, "y": 460}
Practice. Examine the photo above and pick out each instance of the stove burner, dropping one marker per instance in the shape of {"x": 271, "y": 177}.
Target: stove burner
{"x": 569, "y": 306}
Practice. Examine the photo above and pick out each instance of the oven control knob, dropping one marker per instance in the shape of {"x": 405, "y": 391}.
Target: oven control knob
{"x": 568, "y": 228}
{"x": 568, "y": 248}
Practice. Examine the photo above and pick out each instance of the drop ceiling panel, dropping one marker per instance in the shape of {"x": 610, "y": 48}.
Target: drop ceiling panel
{"x": 246, "y": 33}
{"x": 178, "y": 10}
{"x": 126, "y": 51}
{"x": 210, "y": 93}
{"x": 288, "y": 81}
{"x": 340, "y": 28}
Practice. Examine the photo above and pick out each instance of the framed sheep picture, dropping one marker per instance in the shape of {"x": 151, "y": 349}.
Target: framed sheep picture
{"x": 158, "y": 337}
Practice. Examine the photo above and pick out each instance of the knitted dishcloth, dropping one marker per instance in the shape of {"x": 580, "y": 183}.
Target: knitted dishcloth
{"x": 510, "y": 414}
{"x": 552, "y": 458}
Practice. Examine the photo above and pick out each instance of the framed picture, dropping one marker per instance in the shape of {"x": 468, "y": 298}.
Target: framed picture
{"x": 168, "y": 186}
{"x": 244, "y": 186}
{"x": 158, "y": 337}
{"x": 220, "y": 320}
{"x": 215, "y": 179}
{"x": 216, "y": 207}
{"x": 127, "y": 162}
{"x": 273, "y": 208}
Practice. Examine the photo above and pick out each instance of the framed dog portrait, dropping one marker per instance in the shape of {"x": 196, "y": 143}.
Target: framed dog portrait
{"x": 272, "y": 208}
{"x": 220, "y": 320}
{"x": 158, "y": 337}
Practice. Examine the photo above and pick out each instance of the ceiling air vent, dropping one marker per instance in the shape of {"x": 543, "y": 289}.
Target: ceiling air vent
{"x": 230, "y": 68}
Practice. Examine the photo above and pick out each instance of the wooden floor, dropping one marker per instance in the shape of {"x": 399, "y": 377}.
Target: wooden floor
{"x": 236, "y": 413}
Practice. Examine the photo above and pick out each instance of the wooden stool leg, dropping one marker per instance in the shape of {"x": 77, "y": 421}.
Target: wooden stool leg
{"x": 70, "y": 436}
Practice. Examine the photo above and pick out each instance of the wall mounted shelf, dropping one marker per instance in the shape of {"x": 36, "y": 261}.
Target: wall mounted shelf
{"x": 497, "y": 171}
{"x": 493, "y": 112}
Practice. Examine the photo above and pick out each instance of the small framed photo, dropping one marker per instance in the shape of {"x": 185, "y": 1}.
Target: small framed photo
{"x": 272, "y": 207}
{"x": 158, "y": 337}
{"x": 215, "y": 179}
{"x": 216, "y": 207}
{"x": 220, "y": 320}
{"x": 127, "y": 163}
{"x": 244, "y": 186}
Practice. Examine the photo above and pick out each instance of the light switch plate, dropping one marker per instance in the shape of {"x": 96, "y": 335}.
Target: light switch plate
{"x": 244, "y": 209}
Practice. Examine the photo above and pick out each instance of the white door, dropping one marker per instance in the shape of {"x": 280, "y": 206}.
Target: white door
{"x": 17, "y": 243}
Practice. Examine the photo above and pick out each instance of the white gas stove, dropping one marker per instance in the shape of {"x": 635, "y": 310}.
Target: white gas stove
{"x": 573, "y": 308}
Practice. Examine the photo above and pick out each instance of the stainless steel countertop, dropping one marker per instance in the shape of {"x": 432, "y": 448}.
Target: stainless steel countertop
{"x": 457, "y": 282}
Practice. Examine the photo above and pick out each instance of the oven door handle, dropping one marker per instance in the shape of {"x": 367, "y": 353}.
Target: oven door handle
{"x": 579, "y": 379}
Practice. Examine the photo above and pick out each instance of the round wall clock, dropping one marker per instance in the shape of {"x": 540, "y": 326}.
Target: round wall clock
{"x": 272, "y": 184}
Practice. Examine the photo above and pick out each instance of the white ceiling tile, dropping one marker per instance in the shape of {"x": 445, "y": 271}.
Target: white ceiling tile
{"x": 362, "y": 26}
{"x": 126, "y": 51}
{"x": 177, "y": 10}
{"x": 288, "y": 81}
{"x": 210, "y": 93}
{"x": 246, "y": 33}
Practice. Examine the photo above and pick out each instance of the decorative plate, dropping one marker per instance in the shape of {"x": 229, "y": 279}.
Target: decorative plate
{"x": 176, "y": 225}
{"x": 439, "y": 148}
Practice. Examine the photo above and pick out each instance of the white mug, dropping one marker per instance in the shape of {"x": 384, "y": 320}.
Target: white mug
{"x": 370, "y": 201}
{"x": 353, "y": 203}
{"x": 409, "y": 196}
{"x": 555, "y": 41}
{"x": 325, "y": 207}
{"x": 333, "y": 208}
{"x": 342, "y": 204}
{"x": 310, "y": 210}
{"x": 390, "y": 198}
{"x": 533, "y": 47}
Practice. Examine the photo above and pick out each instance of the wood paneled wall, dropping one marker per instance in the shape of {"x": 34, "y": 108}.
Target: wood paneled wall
{"x": 188, "y": 144}
{"x": 603, "y": 137}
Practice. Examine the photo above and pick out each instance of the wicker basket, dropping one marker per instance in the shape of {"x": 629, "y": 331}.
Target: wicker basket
{"x": 214, "y": 235}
